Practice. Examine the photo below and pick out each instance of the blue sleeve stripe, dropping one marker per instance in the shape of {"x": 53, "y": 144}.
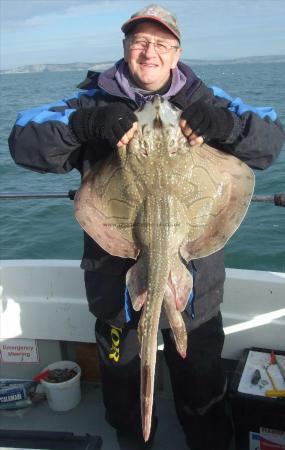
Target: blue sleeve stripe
{"x": 191, "y": 299}
{"x": 41, "y": 117}
{"x": 237, "y": 106}
{"x": 43, "y": 113}
{"x": 127, "y": 305}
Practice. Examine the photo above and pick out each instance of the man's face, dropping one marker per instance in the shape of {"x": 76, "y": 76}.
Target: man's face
{"x": 149, "y": 69}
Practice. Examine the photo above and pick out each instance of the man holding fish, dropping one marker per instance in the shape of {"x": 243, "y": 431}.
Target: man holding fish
{"x": 79, "y": 132}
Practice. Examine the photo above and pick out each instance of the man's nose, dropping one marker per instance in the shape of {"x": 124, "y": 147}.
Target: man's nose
{"x": 150, "y": 49}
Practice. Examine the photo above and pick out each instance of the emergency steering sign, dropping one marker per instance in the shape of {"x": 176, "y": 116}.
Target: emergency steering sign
{"x": 19, "y": 351}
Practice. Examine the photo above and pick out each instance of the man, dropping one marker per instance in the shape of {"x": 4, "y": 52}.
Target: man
{"x": 79, "y": 131}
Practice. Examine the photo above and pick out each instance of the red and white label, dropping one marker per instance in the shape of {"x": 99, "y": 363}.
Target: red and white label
{"x": 19, "y": 351}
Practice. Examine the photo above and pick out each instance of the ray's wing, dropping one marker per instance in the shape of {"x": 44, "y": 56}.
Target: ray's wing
{"x": 223, "y": 187}
{"x": 106, "y": 206}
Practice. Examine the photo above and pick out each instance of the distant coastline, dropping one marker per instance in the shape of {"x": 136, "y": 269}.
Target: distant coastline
{"x": 80, "y": 66}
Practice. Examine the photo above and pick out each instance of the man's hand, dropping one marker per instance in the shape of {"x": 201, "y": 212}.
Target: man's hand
{"x": 202, "y": 122}
{"x": 193, "y": 138}
{"x": 115, "y": 123}
{"x": 128, "y": 135}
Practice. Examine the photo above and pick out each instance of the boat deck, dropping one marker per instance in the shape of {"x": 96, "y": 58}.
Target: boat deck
{"x": 88, "y": 418}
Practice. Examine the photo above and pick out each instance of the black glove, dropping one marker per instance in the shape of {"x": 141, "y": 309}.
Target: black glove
{"x": 210, "y": 122}
{"x": 108, "y": 123}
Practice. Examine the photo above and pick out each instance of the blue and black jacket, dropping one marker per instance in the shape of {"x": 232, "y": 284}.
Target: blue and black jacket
{"x": 42, "y": 140}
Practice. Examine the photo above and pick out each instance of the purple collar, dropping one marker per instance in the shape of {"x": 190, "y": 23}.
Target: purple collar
{"x": 122, "y": 78}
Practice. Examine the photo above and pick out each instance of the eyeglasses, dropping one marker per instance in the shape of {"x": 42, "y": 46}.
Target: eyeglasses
{"x": 143, "y": 44}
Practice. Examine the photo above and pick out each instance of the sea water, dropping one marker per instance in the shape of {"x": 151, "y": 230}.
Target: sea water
{"x": 46, "y": 229}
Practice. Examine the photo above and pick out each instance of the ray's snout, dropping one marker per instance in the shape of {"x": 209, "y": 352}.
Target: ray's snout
{"x": 157, "y": 122}
{"x": 157, "y": 100}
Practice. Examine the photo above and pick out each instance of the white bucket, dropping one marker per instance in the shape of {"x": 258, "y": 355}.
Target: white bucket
{"x": 67, "y": 394}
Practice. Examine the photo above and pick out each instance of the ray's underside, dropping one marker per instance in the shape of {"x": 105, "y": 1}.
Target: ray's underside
{"x": 162, "y": 203}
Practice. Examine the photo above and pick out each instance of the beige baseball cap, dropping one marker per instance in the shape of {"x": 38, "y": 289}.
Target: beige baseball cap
{"x": 156, "y": 14}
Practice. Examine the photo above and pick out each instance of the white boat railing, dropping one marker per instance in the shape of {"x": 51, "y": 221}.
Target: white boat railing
{"x": 45, "y": 299}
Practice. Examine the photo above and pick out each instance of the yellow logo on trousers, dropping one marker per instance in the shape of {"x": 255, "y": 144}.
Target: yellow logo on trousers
{"x": 115, "y": 349}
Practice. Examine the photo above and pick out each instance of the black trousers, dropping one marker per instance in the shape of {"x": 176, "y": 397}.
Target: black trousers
{"x": 198, "y": 382}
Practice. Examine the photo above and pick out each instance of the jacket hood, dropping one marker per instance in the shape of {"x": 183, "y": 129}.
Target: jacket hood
{"x": 109, "y": 81}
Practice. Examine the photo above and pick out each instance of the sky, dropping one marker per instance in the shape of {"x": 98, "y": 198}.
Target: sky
{"x": 64, "y": 31}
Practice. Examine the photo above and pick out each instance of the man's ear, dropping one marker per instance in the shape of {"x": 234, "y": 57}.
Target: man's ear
{"x": 125, "y": 47}
{"x": 176, "y": 58}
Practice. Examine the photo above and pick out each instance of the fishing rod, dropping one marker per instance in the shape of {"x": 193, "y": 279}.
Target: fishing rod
{"x": 275, "y": 199}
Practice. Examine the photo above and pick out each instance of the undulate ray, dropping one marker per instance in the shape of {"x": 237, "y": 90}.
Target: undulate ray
{"x": 163, "y": 203}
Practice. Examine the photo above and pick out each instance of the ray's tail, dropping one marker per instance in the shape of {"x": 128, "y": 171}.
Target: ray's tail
{"x": 148, "y": 329}
{"x": 159, "y": 232}
{"x": 156, "y": 258}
